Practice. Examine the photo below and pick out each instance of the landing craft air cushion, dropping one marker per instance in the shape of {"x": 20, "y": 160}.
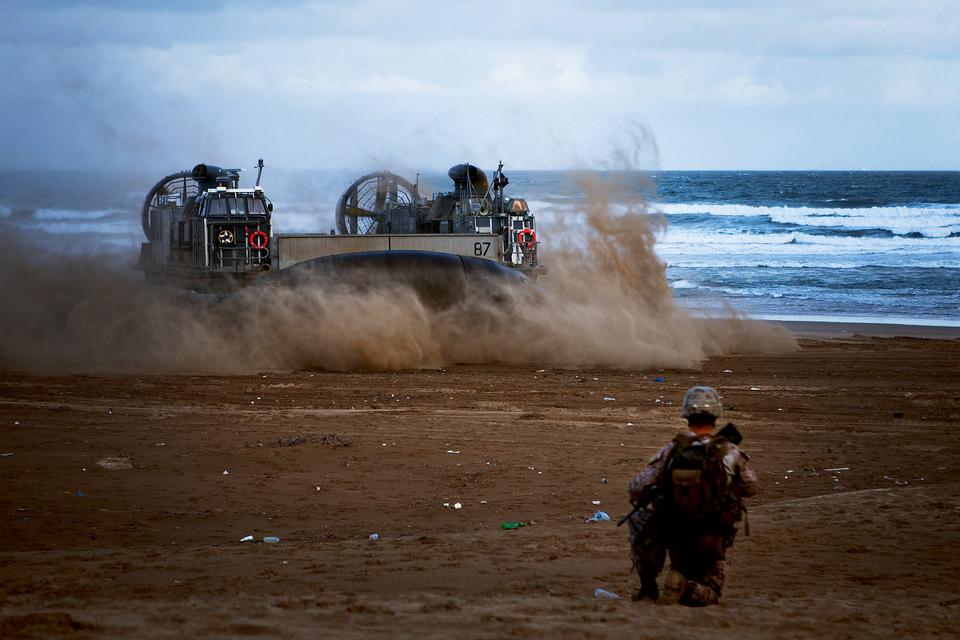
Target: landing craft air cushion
{"x": 206, "y": 233}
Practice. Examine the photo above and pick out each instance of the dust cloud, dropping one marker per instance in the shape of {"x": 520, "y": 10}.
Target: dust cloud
{"x": 93, "y": 314}
{"x": 605, "y": 302}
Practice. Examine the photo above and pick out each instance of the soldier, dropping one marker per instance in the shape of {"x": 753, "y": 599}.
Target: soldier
{"x": 691, "y": 496}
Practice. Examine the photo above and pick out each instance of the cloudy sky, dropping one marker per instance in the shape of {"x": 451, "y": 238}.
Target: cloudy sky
{"x": 751, "y": 84}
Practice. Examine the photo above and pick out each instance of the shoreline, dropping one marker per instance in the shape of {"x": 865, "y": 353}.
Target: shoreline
{"x": 849, "y": 329}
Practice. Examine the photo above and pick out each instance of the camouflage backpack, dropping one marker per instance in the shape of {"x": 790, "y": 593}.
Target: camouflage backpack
{"x": 698, "y": 484}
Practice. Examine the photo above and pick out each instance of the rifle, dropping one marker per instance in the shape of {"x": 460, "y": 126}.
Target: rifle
{"x": 729, "y": 431}
{"x": 648, "y": 496}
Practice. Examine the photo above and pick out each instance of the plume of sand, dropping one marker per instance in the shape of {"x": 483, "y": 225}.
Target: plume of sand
{"x": 606, "y": 302}
{"x": 69, "y": 313}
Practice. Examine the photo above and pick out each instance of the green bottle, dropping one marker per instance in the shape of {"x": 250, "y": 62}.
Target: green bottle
{"x": 512, "y": 525}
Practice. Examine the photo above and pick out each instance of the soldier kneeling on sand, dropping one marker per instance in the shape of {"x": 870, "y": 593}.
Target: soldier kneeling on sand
{"x": 688, "y": 500}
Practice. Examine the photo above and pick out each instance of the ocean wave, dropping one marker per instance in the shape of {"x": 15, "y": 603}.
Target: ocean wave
{"x": 76, "y": 214}
{"x": 934, "y": 221}
{"x": 737, "y": 291}
{"x": 701, "y": 241}
{"x": 833, "y": 262}
{"x": 102, "y": 229}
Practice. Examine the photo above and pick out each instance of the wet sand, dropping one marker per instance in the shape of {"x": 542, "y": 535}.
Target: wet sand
{"x": 820, "y": 329}
{"x": 854, "y": 534}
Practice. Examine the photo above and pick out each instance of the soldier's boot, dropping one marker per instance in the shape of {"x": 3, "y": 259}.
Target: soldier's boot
{"x": 674, "y": 588}
{"x": 648, "y": 589}
{"x": 699, "y": 595}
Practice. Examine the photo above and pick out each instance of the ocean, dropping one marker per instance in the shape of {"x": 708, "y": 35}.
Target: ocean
{"x": 849, "y": 245}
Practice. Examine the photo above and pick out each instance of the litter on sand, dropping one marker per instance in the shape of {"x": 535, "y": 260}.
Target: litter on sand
{"x": 271, "y": 539}
{"x": 453, "y": 452}
{"x": 659, "y": 379}
{"x": 115, "y": 464}
{"x": 246, "y": 539}
{"x": 609, "y": 398}
{"x": 595, "y": 501}
{"x": 838, "y": 469}
{"x": 374, "y": 537}
{"x": 603, "y": 594}
{"x": 599, "y": 516}
{"x": 512, "y": 525}
{"x": 225, "y": 472}
{"x": 457, "y": 505}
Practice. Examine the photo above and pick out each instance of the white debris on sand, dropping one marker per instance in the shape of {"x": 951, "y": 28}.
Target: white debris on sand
{"x": 115, "y": 464}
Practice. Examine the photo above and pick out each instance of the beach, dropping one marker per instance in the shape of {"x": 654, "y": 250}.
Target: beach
{"x": 854, "y": 438}
{"x": 313, "y": 330}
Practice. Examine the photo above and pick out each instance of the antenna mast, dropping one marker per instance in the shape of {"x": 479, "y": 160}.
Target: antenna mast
{"x": 259, "y": 170}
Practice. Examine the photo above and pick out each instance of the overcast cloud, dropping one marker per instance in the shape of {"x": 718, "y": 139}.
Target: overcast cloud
{"x": 542, "y": 84}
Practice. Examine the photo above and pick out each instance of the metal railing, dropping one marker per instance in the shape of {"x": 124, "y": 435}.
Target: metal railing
{"x": 529, "y": 255}
{"x": 240, "y": 258}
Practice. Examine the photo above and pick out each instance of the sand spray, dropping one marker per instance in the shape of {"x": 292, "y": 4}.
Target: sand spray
{"x": 605, "y": 302}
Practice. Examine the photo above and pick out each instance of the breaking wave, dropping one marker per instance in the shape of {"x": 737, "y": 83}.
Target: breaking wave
{"x": 931, "y": 221}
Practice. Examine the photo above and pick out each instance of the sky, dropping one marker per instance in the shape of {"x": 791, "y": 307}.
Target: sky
{"x": 539, "y": 84}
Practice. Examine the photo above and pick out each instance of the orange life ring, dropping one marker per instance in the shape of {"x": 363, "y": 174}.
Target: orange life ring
{"x": 258, "y": 239}
{"x": 527, "y": 238}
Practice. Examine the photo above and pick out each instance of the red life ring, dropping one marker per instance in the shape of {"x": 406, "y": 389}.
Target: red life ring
{"x": 258, "y": 239}
{"x": 527, "y": 238}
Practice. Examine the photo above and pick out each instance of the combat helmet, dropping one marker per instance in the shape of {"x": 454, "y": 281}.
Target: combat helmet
{"x": 702, "y": 401}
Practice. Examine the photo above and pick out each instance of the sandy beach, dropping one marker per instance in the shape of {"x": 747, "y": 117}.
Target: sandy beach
{"x": 854, "y": 532}
{"x": 831, "y": 329}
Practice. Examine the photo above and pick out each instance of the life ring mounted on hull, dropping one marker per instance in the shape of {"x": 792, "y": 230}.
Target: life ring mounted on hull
{"x": 258, "y": 239}
{"x": 527, "y": 238}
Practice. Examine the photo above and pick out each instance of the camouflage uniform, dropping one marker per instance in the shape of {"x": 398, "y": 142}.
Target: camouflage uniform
{"x": 697, "y": 550}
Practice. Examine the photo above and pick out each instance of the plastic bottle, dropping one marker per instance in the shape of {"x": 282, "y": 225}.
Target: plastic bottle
{"x": 512, "y": 525}
{"x": 271, "y": 539}
{"x": 604, "y": 594}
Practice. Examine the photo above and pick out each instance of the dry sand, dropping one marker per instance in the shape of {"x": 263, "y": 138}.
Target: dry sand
{"x": 154, "y": 551}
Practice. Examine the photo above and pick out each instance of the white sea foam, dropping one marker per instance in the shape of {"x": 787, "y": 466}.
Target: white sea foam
{"x": 798, "y": 242}
{"x": 100, "y": 228}
{"x": 748, "y": 292}
{"x": 76, "y": 214}
{"x": 904, "y": 320}
{"x": 690, "y": 248}
{"x": 749, "y": 262}
{"x": 929, "y": 220}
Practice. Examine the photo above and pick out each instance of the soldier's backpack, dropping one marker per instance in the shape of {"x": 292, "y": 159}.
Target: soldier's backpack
{"x": 698, "y": 485}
